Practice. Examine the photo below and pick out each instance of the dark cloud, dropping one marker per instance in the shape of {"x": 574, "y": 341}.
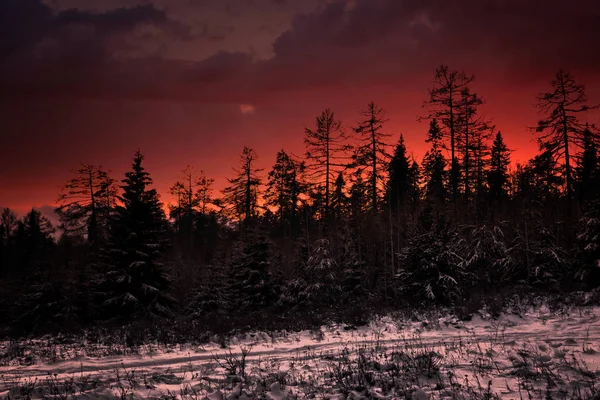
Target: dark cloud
{"x": 73, "y": 52}
{"x": 76, "y": 53}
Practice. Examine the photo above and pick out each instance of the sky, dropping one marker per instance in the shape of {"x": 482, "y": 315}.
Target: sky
{"x": 194, "y": 81}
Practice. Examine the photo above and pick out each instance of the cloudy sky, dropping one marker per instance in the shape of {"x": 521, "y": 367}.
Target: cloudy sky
{"x": 193, "y": 81}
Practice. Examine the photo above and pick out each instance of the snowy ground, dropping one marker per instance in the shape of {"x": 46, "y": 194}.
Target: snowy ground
{"x": 538, "y": 355}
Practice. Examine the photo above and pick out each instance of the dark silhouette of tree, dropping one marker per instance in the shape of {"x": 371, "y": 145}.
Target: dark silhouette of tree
{"x": 402, "y": 185}
{"x": 250, "y": 285}
{"x": 85, "y": 204}
{"x": 561, "y": 131}
{"x": 34, "y": 241}
{"x": 434, "y": 167}
{"x": 339, "y": 198}
{"x": 133, "y": 282}
{"x": 204, "y": 192}
{"x": 8, "y": 226}
{"x": 588, "y": 169}
{"x": 498, "y": 177}
{"x": 371, "y": 153}
{"x": 285, "y": 186}
{"x": 444, "y": 104}
{"x": 241, "y": 196}
{"x": 325, "y": 153}
{"x": 474, "y": 132}
{"x": 193, "y": 194}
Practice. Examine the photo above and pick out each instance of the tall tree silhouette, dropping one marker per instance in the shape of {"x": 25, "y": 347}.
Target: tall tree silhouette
{"x": 285, "y": 186}
{"x": 339, "y": 198}
{"x": 434, "y": 166}
{"x": 85, "y": 203}
{"x": 402, "y": 187}
{"x": 8, "y": 229}
{"x": 193, "y": 193}
{"x": 588, "y": 170}
{"x": 133, "y": 281}
{"x": 561, "y": 131}
{"x": 444, "y": 103}
{"x": 325, "y": 147}
{"x": 34, "y": 241}
{"x": 498, "y": 178}
{"x": 241, "y": 196}
{"x": 474, "y": 132}
{"x": 371, "y": 152}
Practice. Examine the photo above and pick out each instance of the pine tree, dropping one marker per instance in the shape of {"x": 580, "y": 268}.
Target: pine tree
{"x": 371, "y": 153}
{"x": 402, "y": 186}
{"x": 561, "y": 132}
{"x": 588, "y": 241}
{"x": 85, "y": 204}
{"x": 133, "y": 281}
{"x": 339, "y": 198}
{"x": 250, "y": 284}
{"x": 498, "y": 179}
{"x": 434, "y": 167}
{"x": 444, "y": 104}
{"x": 284, "y": 187}
{"x": 241, "y": 196}
{"x": 432, "y": 264}
{"x": 588, "y": 169}
{"x": 474, "y": 132}
{"x": 34, "y": 241}
{"x": 325, "y": 153}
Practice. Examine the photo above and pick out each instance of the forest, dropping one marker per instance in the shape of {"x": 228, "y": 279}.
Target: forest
{"x": 354, "y": 227}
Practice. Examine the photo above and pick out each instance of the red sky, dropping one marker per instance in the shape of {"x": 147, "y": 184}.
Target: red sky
{"x": 193, "y": 81}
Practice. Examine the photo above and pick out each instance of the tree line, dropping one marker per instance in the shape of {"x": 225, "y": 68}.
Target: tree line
{"x": 355, "y": 222}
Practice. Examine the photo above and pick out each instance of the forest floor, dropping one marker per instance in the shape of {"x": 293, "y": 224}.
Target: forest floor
{"x": 535, "y": 355}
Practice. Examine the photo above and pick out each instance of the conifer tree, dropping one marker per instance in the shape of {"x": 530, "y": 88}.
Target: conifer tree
{"x": 250, "y": 285}
{"x": 401, "y": 186}
{"x": 284, "y": 187}
{"x": 444, "y": 105}
{"x": 560, "y": 131}
{"x": 34, "y": 243}
{"x": 241, "y": 196}
{"x": 498, "y": 179}
{"x": 371, "y": 153}
{"x": 339, "y": 198}
{"x": 85, "y": 204}
{"x": 588, "y": 169}
{"x": 133, "y": 281}
{"x": 325, "y": 153}
{"x": 474, "y": 132}
{"x": 434, "y": 166}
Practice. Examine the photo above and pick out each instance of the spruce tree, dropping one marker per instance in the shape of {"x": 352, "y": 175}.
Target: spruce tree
{"x": 372, "y": 154}
{"x": 85, "y": 204}
{"x": 284, "y": 187}
{"x": 588, "y": 170}
{"x": 134, "y": 283}
{"x": 339, "y": 198}
{"x": 498, "y": 179}
{"x": 241, "y": 196}
{"x": 444, "y": 104}
{"x": 434, "y": 167}
{"x": 325, "y": 154}
{"x": 402, "y": 188}
{"x": 250, "y": 285}
{"x": 561, "y": 131}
